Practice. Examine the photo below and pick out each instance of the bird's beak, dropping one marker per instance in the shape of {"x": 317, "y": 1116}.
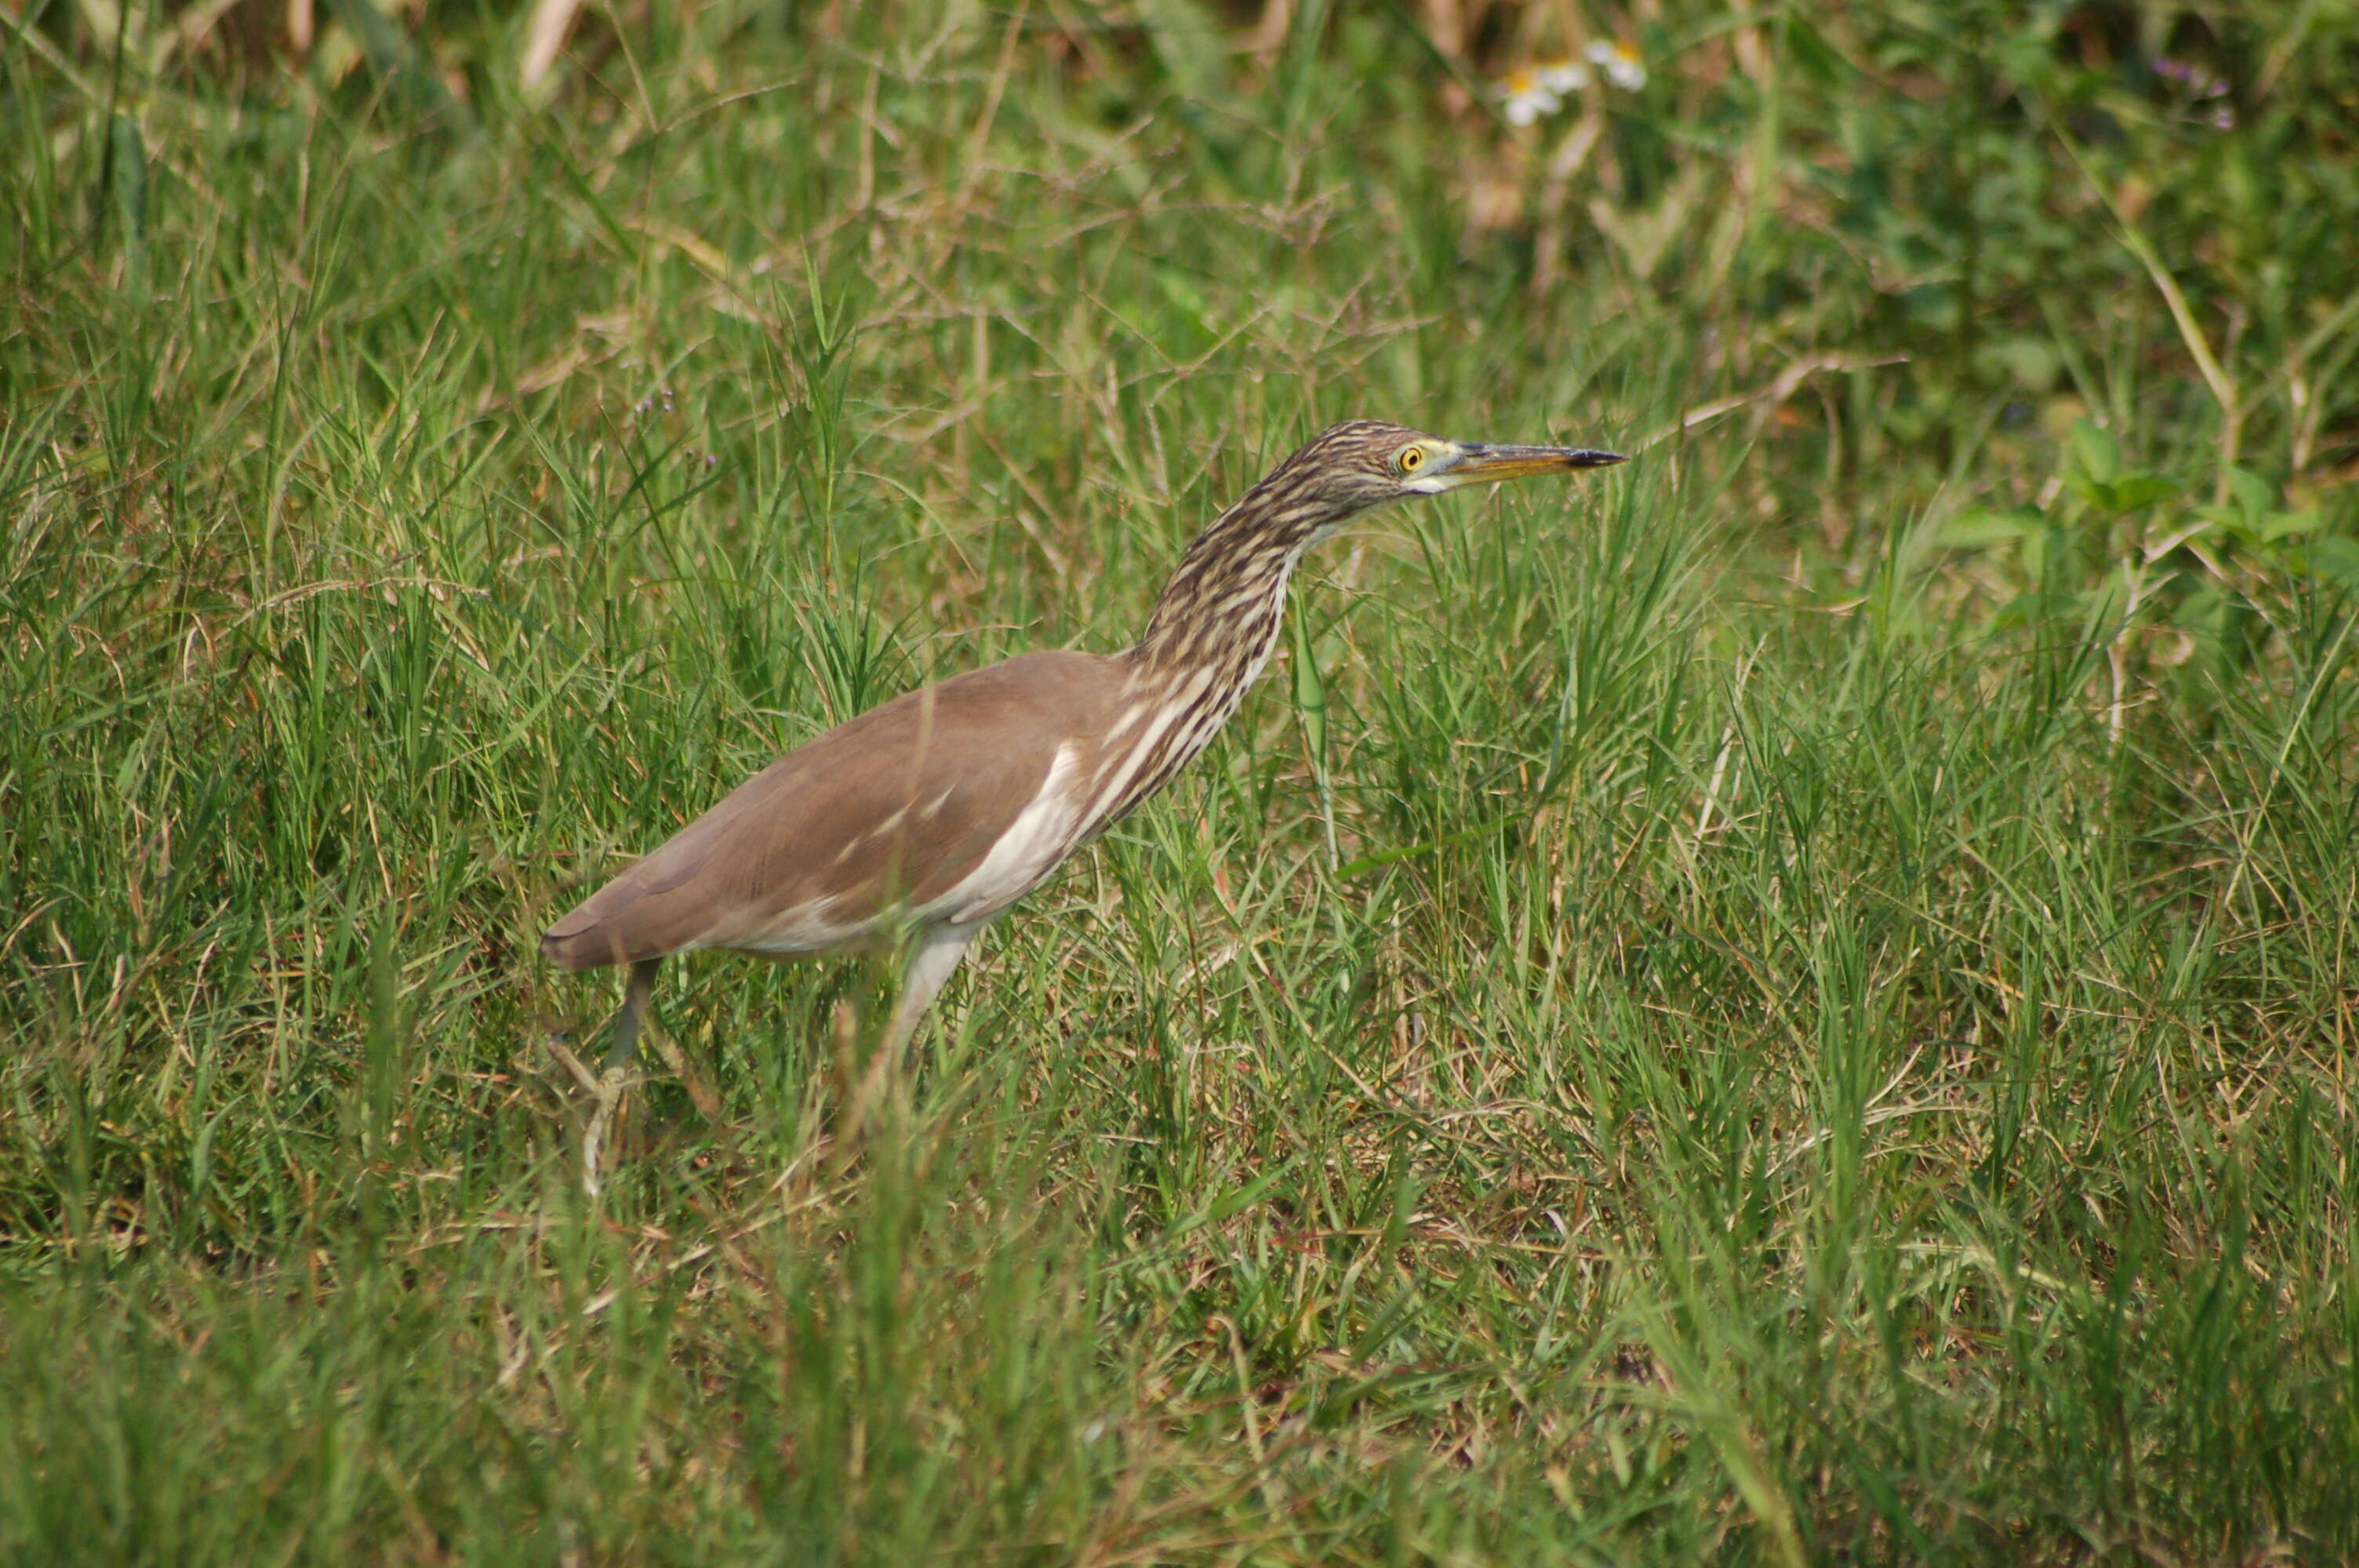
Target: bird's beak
{"x": 1478, "y": 464}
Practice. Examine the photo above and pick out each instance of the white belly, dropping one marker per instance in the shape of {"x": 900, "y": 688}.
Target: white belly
{"x": 1041, "y": 836}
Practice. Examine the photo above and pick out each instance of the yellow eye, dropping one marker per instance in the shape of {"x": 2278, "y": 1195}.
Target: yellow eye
{"x": 1411, "y": 459}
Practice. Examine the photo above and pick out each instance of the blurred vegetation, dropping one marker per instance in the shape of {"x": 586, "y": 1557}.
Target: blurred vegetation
{"x": 1793, "y": 1004}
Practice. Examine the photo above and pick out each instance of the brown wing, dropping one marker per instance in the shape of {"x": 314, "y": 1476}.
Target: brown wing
{"x": 891, "y": 808}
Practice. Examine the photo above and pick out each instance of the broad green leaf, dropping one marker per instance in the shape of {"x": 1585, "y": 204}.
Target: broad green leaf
{"x": 2119, "y": 497}
{"x": 2288, "y": 525}
{"x": 2100, "y": 605}
{"x": 2201, "y": 610}
{"x": 2095, "y": 451}
{"x": 1181, "y": 291}
{"x": 2253, "y": 495}
{"x": 1189, "y": 42}
{"x": 2032, "y": 362}
{"x": 2133, "y": 491}
{"x": 2336, "y": 560}
{"x": 1811, "y": 54}
{"x": 2037, "y": 542}
{"x": 127, "y": 174}
{"x": 1978, "y": 529}
{"x": 1309, "y": 690}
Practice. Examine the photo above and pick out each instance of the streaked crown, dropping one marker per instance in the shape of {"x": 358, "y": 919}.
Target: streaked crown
{"x": 1361, "y": 464}
{"x": 1352, "y": 467}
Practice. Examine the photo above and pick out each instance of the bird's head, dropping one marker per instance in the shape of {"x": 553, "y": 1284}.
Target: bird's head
{"x": 1237, "y": 566}
{"x": 1347, "y": 468}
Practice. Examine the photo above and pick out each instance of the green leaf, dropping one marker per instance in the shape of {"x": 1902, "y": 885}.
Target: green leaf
{"x": 2119, "y": 497}
{"x": 1309, "y": 690}
{"x": 398, "y": 61}
{"x": 1812, "y": 56}
{"x": 2336, "y": 560}
{"x": 1979, "y": 529}
{"x": 2133, "y": 491}
{"x": 2032, "y": 362}
{"x": 2102, "y": 606}
{"x": 2095, "y": 451}
{"x": 2253, "y": 495}
{"x": 1182, "y": 292}
{"x": 1189, "y": 44}
{"x": 127, "y": 177}
{"x": 2201, "y": 610}
{"x": 130, "y": 177}
{"x": 2038, "y": 546}
{"x": 2288, "y": 525}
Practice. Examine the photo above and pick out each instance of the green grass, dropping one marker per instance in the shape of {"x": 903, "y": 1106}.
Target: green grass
{"x": 1790, "y": 1002}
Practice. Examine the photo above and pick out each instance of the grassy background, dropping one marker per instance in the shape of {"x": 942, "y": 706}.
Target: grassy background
{"x": 1791, "y": 1002}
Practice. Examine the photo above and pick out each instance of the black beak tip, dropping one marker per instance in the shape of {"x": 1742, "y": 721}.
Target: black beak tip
{"x": 1597, "y": 459}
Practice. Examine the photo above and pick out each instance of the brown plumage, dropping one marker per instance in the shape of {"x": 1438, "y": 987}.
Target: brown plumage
{"x": 889, "y": 810}
{"x": 923, "y": 818}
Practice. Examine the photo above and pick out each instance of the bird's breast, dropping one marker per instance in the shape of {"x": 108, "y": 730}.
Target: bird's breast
{"x": 1042, "y": 834}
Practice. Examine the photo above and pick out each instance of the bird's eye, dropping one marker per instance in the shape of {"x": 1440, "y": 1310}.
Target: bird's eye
{"x": 1411, "y": 459}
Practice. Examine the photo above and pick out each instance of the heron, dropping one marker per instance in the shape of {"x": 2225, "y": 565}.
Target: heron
{"x": 921, "y": 820}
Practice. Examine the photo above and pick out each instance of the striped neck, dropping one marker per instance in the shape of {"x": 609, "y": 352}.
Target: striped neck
{"x": 1214, "y": 628}
{"x": 1223, "y": 607}
{"x": 1216, "y": 623}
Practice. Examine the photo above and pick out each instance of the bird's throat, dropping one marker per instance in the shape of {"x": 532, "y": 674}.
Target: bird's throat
{"x": 1213, "y": 632}
{"x": 1220, "y": 612}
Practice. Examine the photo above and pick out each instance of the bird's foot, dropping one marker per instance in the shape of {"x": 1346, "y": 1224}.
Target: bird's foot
{"x": 609, "y": 1092}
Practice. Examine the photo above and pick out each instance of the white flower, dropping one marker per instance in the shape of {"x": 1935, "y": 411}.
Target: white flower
{"x": 1621, "y": 64}
{"x": 1525, "y": 97}
{"x": 1563, "y": 77}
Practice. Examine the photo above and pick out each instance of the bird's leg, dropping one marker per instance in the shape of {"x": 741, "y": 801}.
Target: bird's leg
{"x": 930, "y": 966}
{"x": 627, "y": 1022}
{"x": 636, "y": 993}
